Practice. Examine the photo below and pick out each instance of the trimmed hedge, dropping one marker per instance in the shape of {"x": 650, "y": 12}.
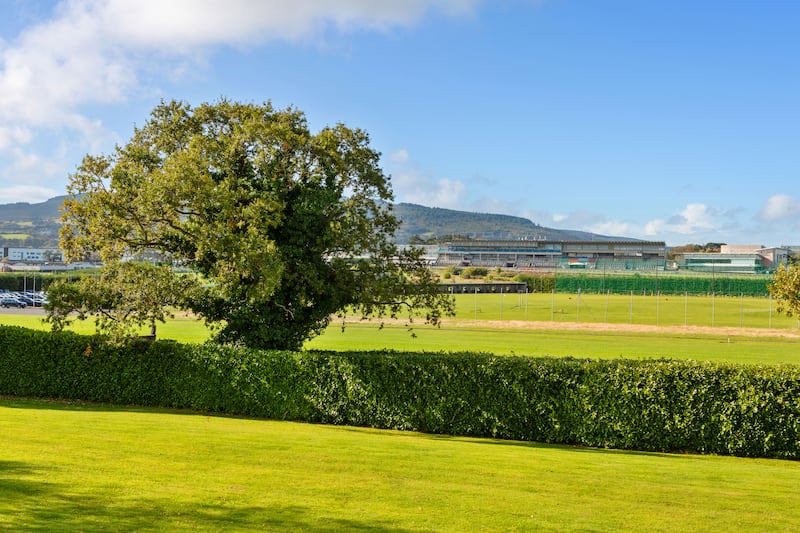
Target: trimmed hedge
{"x": 669, "y": 406}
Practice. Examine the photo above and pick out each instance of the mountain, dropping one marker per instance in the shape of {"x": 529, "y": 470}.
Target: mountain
{"x": 36, "y": 225}
{"x": 432, "y": 222}
{"x": 25, "y": 212}
{"x": 24, "y": 225}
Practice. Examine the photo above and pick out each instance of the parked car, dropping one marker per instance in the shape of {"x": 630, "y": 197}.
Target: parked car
{"x": 7, "y": 301}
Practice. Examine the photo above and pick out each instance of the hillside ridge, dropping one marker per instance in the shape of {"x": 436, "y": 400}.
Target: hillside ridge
{"x": 36, "y": 225}
{"x": 430, "y": 223}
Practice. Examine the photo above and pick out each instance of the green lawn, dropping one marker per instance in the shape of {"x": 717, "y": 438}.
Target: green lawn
{"x": 729, "y": 344}
{"x": 566, "y": 342}
{"x": 656, "y": 310}
{"x": 97, "y": 468}
{"x": 180, "y": 328}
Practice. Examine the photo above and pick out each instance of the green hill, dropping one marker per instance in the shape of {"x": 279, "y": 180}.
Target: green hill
{"x": 25, "y": 212}
{"x": 36, "y": 225}
{"x": 30, "y": 225}
{"x": 434, "y": 222}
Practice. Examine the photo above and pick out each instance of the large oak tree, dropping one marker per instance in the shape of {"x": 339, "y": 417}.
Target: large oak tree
{"x": 286, "y": 227}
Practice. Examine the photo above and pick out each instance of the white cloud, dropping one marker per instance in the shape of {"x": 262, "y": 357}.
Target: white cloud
{"x": 779, "y": 207}
{"x": 186, "y": 24}
{"x": 93, "y": 50}
{"x": 417, "y": 188}
{"x": 694, "y": 218}
{"x": 614, "y": 228}
{"x": 399, "y": 156}
{"x": 100, "y": 51}
{"x": 16, "y": 135}
{"x": 31, "y": 193}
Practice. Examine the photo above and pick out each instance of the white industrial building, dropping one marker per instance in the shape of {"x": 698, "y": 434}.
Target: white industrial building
{"x": 33, "y": 255}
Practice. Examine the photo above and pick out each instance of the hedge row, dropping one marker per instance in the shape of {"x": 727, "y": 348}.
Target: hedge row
{"x": 571, "y": 283}
{"x": 33, "y": 280}
{"x": 670, "y": 406}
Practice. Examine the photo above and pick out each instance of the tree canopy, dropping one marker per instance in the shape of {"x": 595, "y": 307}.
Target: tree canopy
{"x": 785, "y": 288}
{"x": 286, "y": 228}
{"x": 124, "y": 297}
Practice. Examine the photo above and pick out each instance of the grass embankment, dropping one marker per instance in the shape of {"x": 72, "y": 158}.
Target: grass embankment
{"x": 89, "y": 468}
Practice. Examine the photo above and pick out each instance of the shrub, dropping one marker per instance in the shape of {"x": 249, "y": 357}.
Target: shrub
{"x": 663, "y": 405}
{"x": 474, "y": 272}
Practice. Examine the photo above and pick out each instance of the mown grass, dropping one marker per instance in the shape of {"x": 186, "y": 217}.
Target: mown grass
{"x": 93, "y": 468}
{"x": 562, "y": 343}
{"x": 181, "y": 328}
{"x": 99, "y": 468}
{"x": 655, "y": 310}
{"x": 730, "y": 342}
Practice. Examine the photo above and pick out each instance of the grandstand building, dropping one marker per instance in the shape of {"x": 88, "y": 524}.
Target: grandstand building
{"x": 552, "y": 255}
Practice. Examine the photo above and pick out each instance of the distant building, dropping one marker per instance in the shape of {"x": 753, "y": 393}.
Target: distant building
{"x": 551, "y": 255}
{"x": 741, "y": 259}
{"x": 507, "y": 287}
{"x": 33, "y": 255}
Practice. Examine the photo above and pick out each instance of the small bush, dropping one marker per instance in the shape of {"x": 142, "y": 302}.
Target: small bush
{"x": 474, "y": 272}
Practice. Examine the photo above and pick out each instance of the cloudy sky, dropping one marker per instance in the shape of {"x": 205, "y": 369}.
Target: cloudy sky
{"x": 664, "y": 120}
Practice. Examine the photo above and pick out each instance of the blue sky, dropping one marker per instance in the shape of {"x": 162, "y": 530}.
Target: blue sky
{"x": 661, "y": 120}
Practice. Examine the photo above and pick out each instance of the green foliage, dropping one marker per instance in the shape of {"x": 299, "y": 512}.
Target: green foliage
{"x": 124, "y": 297}
{"x": 537, "y": 283}
{"x": 288, "y": 227}
{"x": 657, "y": 405}
{"x": 710, "y": 247}
{"x": 474, "y": 272}
{"x": 785, "y": 287}
{"x": 18, "y": 281}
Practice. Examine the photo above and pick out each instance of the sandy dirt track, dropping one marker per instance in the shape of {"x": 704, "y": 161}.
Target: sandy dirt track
{"x": 453, "y": 323}
{"x": 563, "y": 326}
{"x": 627, "y": 328}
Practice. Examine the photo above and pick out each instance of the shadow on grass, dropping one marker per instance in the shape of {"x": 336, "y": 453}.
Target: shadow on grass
{"x": 30, "y": 503}
{"x": 490, "y": 441}
{"x": 79, "y": 405}
{"x": 57, "y": 404}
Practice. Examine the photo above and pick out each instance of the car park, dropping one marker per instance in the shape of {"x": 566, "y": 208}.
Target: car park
{"x": 25, "y": 299}
{"x": 10, "y": 301}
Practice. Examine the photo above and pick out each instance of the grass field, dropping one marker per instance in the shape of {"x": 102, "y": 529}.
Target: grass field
{"x": 99, "y": 468}
{"x": 96, "y": 468}
{"x": 564, "y": 342}
{"x": 656, "y": 310}
{"x": 659, "y": 327}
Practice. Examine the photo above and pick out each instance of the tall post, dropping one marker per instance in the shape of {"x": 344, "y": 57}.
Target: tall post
{"x": 526, "y": 301}
{"x": 713, "y": 290}
{"x": 685, "y": 307}
{"x": 631, "y": 310}
{"x": 741, "y": 309}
